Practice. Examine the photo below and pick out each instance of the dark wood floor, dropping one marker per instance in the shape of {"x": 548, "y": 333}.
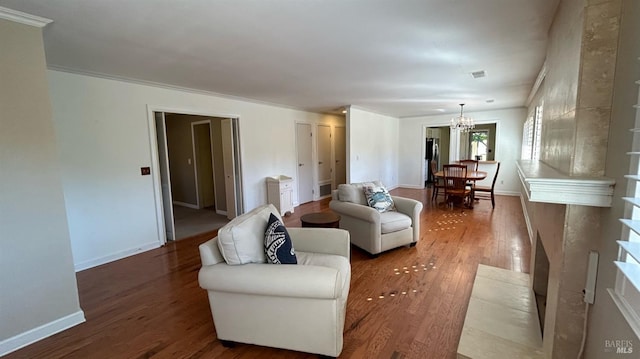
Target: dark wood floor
{"x": 407, "y": 303}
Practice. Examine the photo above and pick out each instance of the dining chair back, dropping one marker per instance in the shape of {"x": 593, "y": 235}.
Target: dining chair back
{"x": 437, "y": 181}
{"x": 455, "y": 184}
{"x": 472, "y": 165}
{"x": 490, "y": 190}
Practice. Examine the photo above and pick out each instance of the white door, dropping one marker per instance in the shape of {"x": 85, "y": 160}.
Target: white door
{"x": 305, "y": 169}
{"x": 228, "y": 164}
{"x": 165, "y": 178}
{"x": 324, "y": 154}
{"x": 340, "y": 153}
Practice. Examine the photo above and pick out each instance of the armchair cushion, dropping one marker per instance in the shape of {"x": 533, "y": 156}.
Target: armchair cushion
{"x": 354, "y": 192}
{"x": 351, "y": 193}
{"x": 241, "y": 241}
{"x": 393, "y": 221}
{"x": 277, "y": 243}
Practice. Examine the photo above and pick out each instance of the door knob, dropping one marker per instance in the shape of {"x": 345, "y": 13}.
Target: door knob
{"x": 300, "y": 164}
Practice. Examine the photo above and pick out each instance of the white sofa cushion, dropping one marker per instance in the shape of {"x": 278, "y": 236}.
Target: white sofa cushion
{"x": 241, "y": 241}
{"x": 354, "y": 192}
{"x": 393, "y": 221}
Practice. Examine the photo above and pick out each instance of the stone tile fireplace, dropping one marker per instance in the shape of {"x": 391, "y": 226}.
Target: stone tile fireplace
{"x": 540, "y": 280}
{"x": 563, "y": 214}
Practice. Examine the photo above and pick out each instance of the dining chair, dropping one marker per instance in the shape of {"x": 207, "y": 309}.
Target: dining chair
{"x": 472, "y": 165}
{"x": 438, "y": 183}
{"x": 455, "y": 184}
{"x": 490, "y": 190}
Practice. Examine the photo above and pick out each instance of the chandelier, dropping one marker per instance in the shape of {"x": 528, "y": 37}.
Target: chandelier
{"x": 463, "y": 123}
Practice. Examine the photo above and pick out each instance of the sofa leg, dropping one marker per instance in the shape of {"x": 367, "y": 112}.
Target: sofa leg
{"x": 413, "y": 244}
{"x": 325, "y": 357}
{"x": 228, "y": 343}
{"x": 374, "y": 256}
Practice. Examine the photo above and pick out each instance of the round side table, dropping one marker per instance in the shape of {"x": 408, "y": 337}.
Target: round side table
{"x": 321, "y": 219}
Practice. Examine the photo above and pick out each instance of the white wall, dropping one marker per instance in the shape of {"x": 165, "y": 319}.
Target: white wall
{"x": 508, "y": 144}
{"x": 372, "y": 147}
{"x": 38, "y": 292}
{"x": 103, "y": 139}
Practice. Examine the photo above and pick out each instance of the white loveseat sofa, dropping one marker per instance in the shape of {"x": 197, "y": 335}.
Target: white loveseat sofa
{"x": 299, "y": 307}
{"x": 371, "y": 230}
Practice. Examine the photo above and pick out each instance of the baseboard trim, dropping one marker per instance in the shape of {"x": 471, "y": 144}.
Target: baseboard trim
{"x": 411, "y": 186}
{"x": 221, "y": 212}
{"x": 115, "y": 256}
{"x": 184, "y": 204}
{"x": 46, "y": 330}
{"x": 507, "y": 193}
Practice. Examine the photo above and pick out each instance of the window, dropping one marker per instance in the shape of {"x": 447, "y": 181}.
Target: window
{"x": 537, "y": 133}
{"x": 531, "y": 135}
{"x": 626, "y": 293}
{"x": 478, "y": 143}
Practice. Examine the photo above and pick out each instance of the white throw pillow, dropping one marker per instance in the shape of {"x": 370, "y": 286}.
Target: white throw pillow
{"x": 241, "y": 241}
{"x": 379, "y": 198}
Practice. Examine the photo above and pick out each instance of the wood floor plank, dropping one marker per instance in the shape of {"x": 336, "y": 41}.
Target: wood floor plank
{"x": 406, "y": 303}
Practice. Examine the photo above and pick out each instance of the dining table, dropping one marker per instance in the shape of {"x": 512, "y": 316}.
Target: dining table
{"x": 472, "y": 176}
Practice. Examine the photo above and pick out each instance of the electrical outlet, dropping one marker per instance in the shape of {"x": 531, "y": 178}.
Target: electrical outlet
{"x": 145, "y": 171}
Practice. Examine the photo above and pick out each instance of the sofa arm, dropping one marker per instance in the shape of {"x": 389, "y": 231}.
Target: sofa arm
{"x": 209, "y": 252}
{"x": 358, "y": 211}
{"x": 320, "y": 240}
{"x": 282, "y": 280}
{"x": 408, "y": 206}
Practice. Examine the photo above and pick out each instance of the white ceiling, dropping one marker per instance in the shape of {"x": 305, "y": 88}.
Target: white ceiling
{"x": 396, "y": 57}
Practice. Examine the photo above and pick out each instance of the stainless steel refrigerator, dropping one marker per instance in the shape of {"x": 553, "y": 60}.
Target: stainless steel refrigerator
{"x": 432, "y": 153}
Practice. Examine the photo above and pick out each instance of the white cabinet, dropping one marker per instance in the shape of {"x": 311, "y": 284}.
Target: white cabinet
{"x": 280, "y": 193}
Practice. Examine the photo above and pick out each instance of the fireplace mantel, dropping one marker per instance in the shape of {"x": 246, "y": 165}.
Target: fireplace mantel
{"x": 543, "y": 183}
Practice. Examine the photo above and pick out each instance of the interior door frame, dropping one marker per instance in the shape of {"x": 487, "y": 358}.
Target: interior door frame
{"x": 155, "y": 162}
{"x": 164, "y": 234}
{"x": 454, "y": 143}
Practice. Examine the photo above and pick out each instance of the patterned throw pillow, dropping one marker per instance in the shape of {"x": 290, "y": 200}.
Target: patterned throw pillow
{"x": 379, "y": 198}
{"x": 277, "y": 243}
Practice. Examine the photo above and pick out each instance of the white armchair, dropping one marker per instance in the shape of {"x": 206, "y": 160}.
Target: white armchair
{"x": 299, "y": 307}
{"x": 371, "y": 230}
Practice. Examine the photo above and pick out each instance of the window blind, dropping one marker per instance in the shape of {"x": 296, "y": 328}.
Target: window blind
{"x": 527, "y": 139}
{"x": 537, "y": 133}
{"x": 626, "y": 293}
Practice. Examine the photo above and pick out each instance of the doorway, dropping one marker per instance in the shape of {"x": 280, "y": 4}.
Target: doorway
{"x": 325, "y": 167}
{"x": 196, "y": 188}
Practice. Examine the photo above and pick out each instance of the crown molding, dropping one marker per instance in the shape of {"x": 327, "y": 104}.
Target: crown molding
{"x": 23, "y": 17}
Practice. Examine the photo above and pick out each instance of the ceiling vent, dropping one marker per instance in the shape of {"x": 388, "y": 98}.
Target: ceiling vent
{"x": 478, "y": 74}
